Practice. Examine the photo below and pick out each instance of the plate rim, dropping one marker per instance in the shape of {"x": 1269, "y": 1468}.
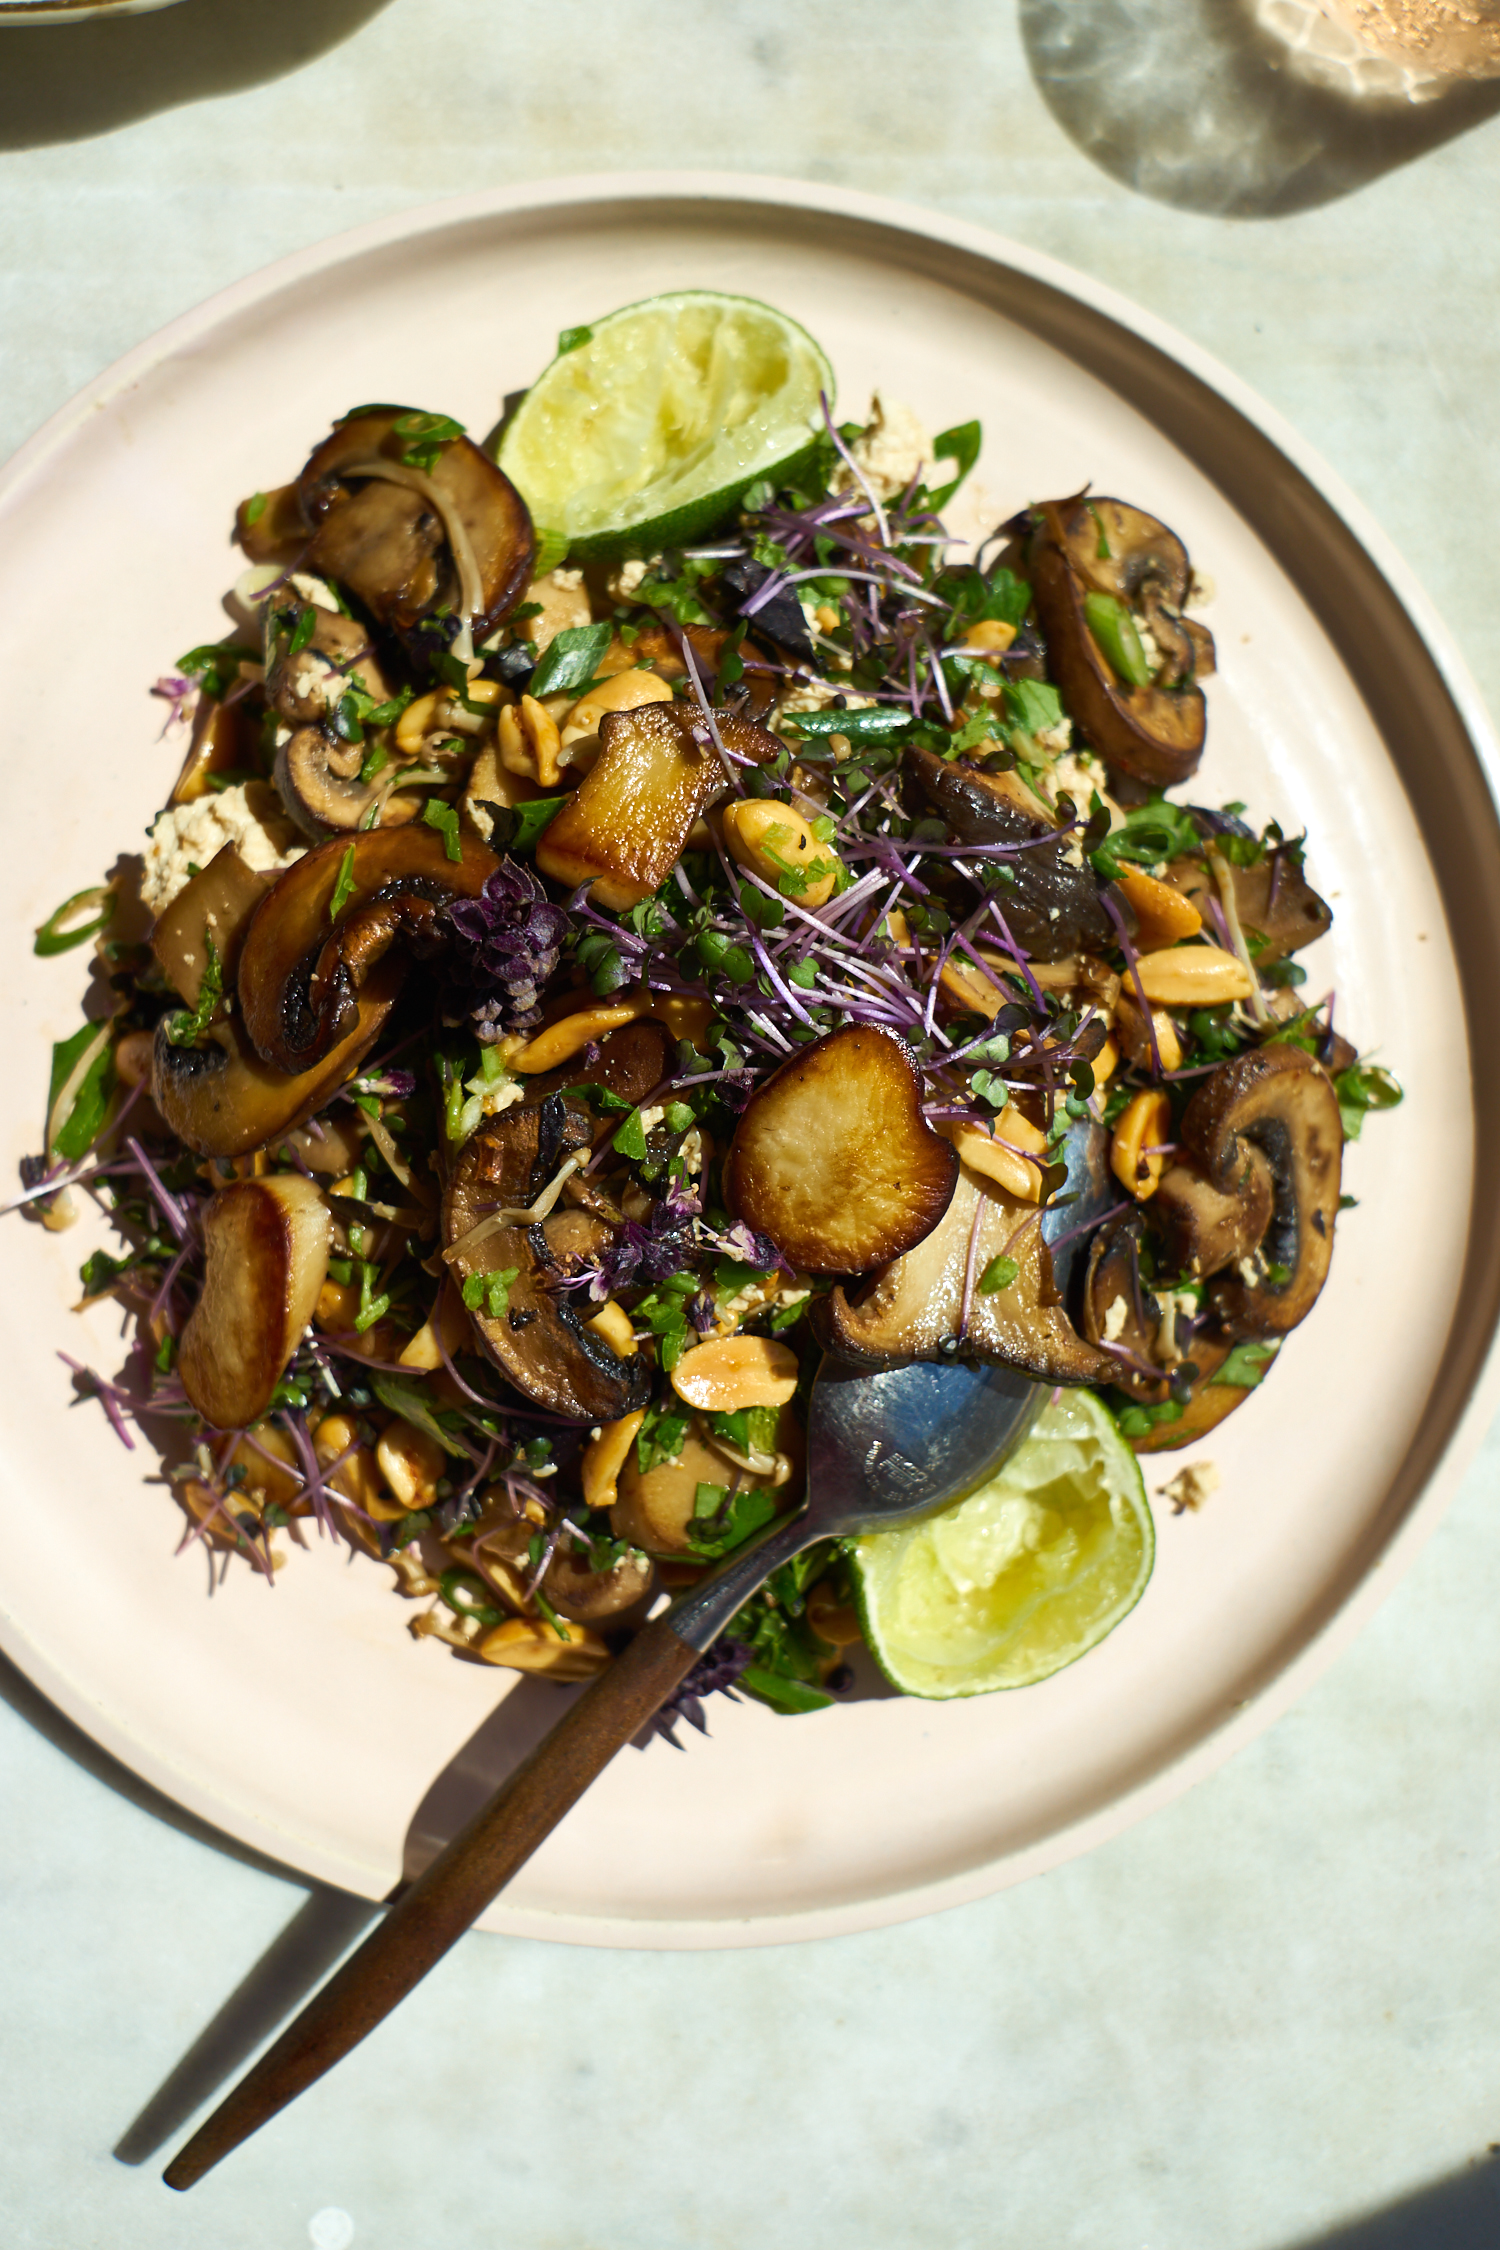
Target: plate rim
{"x": 763, "y": 195}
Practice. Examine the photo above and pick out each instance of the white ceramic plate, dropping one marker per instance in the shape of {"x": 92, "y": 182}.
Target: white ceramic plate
{"x": 303, "y": 1719}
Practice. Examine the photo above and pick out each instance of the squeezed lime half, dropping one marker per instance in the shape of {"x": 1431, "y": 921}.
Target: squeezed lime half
{"x": 646, "y": 431}
{"x": 1023, "y": 1577}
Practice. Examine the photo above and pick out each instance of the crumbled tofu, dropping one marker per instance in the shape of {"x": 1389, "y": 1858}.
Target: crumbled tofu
{"x": 1150, "y": 647}
{"x": 311, "y": 589}
{"x": 891, "y": 449}
{"x": 1079, "y": 774}
{"x": 1056, "y": 741}
{"x": 1201, "y": 591}
{"x": 1249, "y": 1272}
{"x": 1115, "y": 1317}
{"x": 188, "y": 836}
{"x": 625, "y": 580}
{"x": 1191, "y": 1486}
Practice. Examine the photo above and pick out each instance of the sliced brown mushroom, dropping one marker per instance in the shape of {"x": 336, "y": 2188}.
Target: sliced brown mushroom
{"x": 1203, "y": 1229}
{"x": 833, "y": 1158}
{"x": 1153, "y": 733}
{"x": 406, "y": 540}
{"x": 1279, "y": 1104}
{"x": 1278, "y": 909}
{"x": 301, "y": 970}
{"x": 303, "y": 689}
{"x": 318, "y": 780}
{"x": 266, "y": 1248}
{"x": 656, "y": 1506}
{"x": 216, "y": 905}
{"x": 222, "y": 1100}
{"x": 1152, "y": 1366}
{"x": 630, "y": 1064}
{"x": 625, "y": 826}
{"x": 1052, "y": 907}
{"x": 914, "y": 1309}
{"x": 575, "y": 1589}
{"x": 541, "y": 1341}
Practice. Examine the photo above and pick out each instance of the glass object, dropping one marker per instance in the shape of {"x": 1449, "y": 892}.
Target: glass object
{"x": 18, "y": 12}
{"x": 1387, "y": 50}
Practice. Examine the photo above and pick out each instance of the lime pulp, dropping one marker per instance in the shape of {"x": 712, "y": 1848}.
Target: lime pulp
{"x": 1023, "y": 1577}
{"x": 648, "y": 432}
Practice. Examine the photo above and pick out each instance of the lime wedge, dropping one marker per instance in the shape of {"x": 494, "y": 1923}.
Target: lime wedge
{"x": 647, "y": 431}
{"x": 1024, "y": 1576}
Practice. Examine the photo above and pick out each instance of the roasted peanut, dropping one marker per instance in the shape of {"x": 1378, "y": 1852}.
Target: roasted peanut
{"x": 627, "y": 691}
{"x": 531, "y": 1644}
{"x": 778, "y": 845}
{"x": 605, "y": 1456}
{"x": 1193, "y": 976}
{"x": 989, "y": 633}
{"x": 357, "y": 1476}
{"x": 1130, "y": 1031}
{"x": 411, "y": 1463}
{"x": 1163, "y": 916}
{"x": 1144, "y": 1125}
{"x": 735, "y": 1371}
{"x": 995, "y": 1154}
{"x": 529, "y": 741}
{"x": 612, "y": 1322}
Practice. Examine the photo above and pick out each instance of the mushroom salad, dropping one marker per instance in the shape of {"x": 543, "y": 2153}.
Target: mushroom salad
{"x": 561, "y": 1003}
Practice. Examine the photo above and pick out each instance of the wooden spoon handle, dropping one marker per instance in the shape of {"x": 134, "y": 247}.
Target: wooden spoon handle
{"x": 440, "y": 1905}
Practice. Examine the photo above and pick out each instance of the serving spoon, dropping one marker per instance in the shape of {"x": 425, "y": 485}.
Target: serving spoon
{"x": 883, "y": 1450}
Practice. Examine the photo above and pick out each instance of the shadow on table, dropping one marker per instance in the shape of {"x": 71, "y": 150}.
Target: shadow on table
{"x": 1185, "y": 101}
{"x": 329, "y": 1921}
{"x": 1461, "y": 2213}
{"x": 66, "y": 82}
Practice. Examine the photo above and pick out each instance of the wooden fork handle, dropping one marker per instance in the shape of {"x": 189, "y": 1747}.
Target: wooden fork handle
{"x": 441, "y": 1904}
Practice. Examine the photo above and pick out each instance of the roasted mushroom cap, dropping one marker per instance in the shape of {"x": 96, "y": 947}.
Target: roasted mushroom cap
{"x": 655, "y": 1507}
{"x": 1278, "y": 909}
{"x": 541, "y": 1341}
{"x": 915, "y": 1308}
{"x": 1203, "y": 1230}
{"x": 406, "y": 540}
{"x": 575, "y": 1589}
{"x": 222, "y": 1100}
{"x": 833, "y": 1158}
{"x": 1279, "y": 1104}
{"x": 215, "y": 906}
{"x": 318, "y": 780}
{"x": 1153, "y": 733}
{"x": 301, "y": 970}
{"x": 1052, "y": 908}
{"x": 303, "y": 689}
{"x": 266, "y": 1249}
{"x": 625, "y": 826}
{"x": 1155, "y": 1358}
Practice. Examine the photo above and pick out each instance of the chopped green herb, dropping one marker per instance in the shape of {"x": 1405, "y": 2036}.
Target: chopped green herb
{"x": 570, "y": 659}
{"x": 427, "y": 434}
{"x": 1245, "y": 1368}
{"x": 998, "y": 1275}
{"x": 185, "y": 1029}
{"x": 343, "y": 889}
{"x": 53, "y": 936}
{"x": 444, "y": 818}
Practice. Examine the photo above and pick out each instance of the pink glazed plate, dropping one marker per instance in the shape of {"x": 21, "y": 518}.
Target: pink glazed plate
{"x": 305, "y": 1721}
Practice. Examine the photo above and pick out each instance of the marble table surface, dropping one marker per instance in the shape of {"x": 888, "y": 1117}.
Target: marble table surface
{"x": 1267, "y": 2017}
